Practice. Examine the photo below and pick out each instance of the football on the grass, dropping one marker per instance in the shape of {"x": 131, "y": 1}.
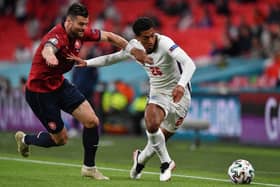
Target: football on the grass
{"x": 241, "y": 172}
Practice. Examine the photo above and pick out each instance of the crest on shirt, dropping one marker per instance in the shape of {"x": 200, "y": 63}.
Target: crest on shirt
{"x": 78, "y": 45}
{"x": 173, "y": 47}
{"x": 54, "y": 41}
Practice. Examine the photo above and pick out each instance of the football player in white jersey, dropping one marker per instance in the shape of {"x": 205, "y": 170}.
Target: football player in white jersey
{"x": 169, "y": 97}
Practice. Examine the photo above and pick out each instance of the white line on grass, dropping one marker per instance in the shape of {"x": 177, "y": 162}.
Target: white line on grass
{"x": 125, "y": 170}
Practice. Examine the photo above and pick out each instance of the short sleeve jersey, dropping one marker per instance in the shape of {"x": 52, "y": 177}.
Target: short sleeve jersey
{"x": 43, "y": 78}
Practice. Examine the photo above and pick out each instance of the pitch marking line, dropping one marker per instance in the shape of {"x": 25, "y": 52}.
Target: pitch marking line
{"x": 125, "y": 170}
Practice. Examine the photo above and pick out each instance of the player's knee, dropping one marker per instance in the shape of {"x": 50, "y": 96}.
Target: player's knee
{"x": 152, "y": 129}
{"x": 92, "y": 122}
{"x": 152, "y": 125}
{"x": 61, "y": 140}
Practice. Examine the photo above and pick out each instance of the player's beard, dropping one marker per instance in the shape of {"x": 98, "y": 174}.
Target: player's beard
{"x": 151, "y": 47}
{"x": 78, "y": 33}
{"x": 81, "y": 33}
{"x": 149, "y": 50}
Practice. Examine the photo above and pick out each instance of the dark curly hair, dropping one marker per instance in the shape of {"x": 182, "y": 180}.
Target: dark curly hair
{"x": 77, "y": 9}
{"x": 142, "y": 24}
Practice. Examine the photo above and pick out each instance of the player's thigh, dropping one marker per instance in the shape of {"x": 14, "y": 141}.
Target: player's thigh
{"x": 44, "y": 106}
{"x": 86, "y": 115}
{"x": 74, "y": 102}
{"x": 154, "y": 115}
{"x": 171, "y": 123}
{"x": 157, "y": 109}
{"x": 70, "y": 98}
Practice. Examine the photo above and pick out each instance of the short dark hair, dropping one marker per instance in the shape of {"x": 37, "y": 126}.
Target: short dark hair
{"x": 142, "y": 24}
{"x": 77, "y": 9}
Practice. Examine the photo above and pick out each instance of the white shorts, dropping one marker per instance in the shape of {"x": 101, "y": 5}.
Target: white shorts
{"x": 174, "y": 112}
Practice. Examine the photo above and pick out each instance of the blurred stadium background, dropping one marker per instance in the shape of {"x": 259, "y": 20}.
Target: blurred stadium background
{"x": 234, "y": 43}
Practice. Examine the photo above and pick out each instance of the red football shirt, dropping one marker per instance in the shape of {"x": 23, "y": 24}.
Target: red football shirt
{"x": 43, "y": 78}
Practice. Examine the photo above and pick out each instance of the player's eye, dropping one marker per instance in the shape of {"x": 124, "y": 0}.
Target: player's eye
{"x": 145, "y": 38}
{"x": 82, "y": 24}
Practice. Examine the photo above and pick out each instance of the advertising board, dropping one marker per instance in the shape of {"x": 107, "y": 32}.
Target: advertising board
{"x": 222, "y": 112}
{"x": 260, "y": 118}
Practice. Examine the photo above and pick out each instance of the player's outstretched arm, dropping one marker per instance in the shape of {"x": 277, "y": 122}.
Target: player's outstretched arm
{"x": 48, "y": 54}
{"x": 105, "y": 60}
{"x": 120, "y": 42}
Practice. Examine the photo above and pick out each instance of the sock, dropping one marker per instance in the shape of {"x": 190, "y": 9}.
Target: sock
{"x": 90, "y": 142}
{"x": 43, "y": 139}
{"x": 158, "y": 143}
{"x": 87, "y": 167}
{"x": 147, "y": 153}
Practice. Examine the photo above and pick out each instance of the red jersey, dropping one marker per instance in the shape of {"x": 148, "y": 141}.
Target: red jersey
{"x": 43, "y": 78}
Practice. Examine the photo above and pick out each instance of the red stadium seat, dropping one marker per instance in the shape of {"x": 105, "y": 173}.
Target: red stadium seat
{"x": 197, "y": 41}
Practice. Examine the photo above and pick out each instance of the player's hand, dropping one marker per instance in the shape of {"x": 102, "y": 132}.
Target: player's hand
{"x": 79, "y": 61}
{"x": 178, "y": 93}
{"x": 141, "y": 56}
{"x": 52, "y": 61}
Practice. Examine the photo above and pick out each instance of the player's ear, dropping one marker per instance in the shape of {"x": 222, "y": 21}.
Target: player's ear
{"x": 69, "y": 19}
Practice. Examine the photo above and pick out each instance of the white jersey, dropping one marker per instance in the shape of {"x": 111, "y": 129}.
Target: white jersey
{"x": 165, "y": 73}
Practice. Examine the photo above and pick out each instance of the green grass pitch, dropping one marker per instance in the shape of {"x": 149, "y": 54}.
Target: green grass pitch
{"x": 205, "y": 166}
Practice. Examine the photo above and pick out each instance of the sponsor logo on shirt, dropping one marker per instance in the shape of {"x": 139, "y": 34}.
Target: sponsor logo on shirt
{"x": 173, "y": 47}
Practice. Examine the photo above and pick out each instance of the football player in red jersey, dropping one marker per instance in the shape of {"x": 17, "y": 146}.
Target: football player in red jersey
{"x": 48, "y": 92}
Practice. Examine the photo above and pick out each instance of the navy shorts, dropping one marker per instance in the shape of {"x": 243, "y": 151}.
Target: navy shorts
{"x": 47, "y": 106}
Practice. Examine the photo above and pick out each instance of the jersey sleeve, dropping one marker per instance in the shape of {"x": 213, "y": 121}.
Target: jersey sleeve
{"x": 109, "y": 59}
{"x": 92, "y": 34}
{"x": 168, "y": 45}
{"x": 135, "y": 43}
{"x": 56, "y": 40}
{"x": 180, "y": 56}
{"x": 113, "y": 58}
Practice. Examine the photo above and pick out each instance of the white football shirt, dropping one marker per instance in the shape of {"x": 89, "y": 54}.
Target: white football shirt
{"x": 166, "y": 71}
{"x": 171, "y": 66}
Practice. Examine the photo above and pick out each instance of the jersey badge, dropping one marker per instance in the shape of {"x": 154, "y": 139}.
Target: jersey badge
{"x": 54, "y": 41}
{"x": 173, "y": 47}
